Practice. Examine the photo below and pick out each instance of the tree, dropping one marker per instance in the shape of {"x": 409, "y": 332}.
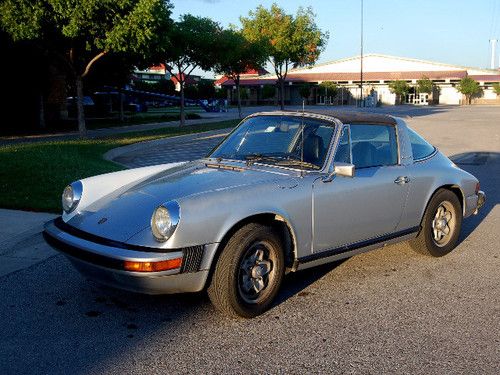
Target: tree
{"x": 192, "y": 43}
{"x": 425, "y": 85}
{"x": 268, "y": 91}
{"x": 329, "y": 87}
{"x": 289, "y": 41}
{"x": 496, "y": 88}
{"x": 468, "y": 87}
{"x": 237, "y": 57}
{"x": 80, "y": 32}
{"x": 400, "y": 88}
{"x": 305, "y": 91}
{"x": 206, "y": 89}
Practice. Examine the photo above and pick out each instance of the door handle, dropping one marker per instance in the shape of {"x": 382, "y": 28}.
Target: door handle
{"x": 401, "y": 180}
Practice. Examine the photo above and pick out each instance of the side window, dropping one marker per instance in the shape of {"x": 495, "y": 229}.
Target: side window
{"x": 343, "y": 154}
{"x": 374, "y": 145}
{"x": 419, "y": 146}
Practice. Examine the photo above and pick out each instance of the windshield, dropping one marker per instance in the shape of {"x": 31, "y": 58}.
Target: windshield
{"x": 277, "y": 140}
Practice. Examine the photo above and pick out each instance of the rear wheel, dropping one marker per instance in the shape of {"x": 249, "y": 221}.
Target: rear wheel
{"x": 440, "y": 226}
{"x": 248, "y": 273}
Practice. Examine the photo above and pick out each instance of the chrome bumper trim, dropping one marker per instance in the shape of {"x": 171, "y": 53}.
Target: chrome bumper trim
{"x": 481, "y": 200}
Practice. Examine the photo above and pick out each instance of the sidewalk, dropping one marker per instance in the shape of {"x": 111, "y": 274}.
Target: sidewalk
{"x": 21, "y": 242}
{"x": 106, "y": 132}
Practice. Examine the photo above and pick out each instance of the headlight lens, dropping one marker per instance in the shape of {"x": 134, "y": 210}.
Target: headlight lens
{"x": 71, "y": 196}
{"x": 165, "y": 220}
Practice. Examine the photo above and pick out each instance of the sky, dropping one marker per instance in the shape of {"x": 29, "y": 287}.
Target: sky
{"x": 448, "y": 31}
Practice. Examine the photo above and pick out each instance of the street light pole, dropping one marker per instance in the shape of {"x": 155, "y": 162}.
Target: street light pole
{"x": 361, "y": 70}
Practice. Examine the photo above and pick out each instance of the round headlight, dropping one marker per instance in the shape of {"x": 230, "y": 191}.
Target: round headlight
{"x": 71, "y": 196}
{"x": 165, "y": 220}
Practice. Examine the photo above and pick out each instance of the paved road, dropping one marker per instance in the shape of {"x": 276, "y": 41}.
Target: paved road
{"x": 388, "y": 311}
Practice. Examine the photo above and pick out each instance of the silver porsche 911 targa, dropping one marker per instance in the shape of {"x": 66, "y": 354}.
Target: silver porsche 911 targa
{"x": 283, "y": 192}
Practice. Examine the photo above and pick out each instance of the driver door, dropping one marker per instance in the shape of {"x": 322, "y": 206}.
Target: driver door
{"x": 370, "y": 204}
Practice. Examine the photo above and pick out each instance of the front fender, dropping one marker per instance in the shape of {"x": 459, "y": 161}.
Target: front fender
{"x": 207, "y": 217}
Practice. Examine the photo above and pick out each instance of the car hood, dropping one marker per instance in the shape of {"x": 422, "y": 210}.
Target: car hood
{"x": 125, "y": 212}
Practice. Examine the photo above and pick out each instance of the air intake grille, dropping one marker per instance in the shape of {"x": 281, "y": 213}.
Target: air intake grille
{"x": 192, "y": 258}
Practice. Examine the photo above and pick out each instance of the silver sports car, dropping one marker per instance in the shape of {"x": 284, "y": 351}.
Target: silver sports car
{"x": 283, "y": 192}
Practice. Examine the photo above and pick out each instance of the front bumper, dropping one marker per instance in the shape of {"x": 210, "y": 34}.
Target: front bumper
{"x": 104, "y": 262}
{"x": 473, "y": 203}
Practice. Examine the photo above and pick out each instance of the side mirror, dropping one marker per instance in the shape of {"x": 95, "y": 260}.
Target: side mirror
{"x": 340, "y": 169}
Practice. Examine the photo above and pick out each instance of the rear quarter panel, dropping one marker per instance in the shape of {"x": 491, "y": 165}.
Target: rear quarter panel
{"x": 427, "y": 176}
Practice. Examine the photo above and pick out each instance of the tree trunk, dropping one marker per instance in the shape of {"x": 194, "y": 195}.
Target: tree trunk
{"x": 282, "y": 93}
{"x": 237, "y": 81}
{"x": 182, "y": 114}
{"x": 122, "y": 115}
{"x": 41, "y": 113}
{"x": 79, "y": 107}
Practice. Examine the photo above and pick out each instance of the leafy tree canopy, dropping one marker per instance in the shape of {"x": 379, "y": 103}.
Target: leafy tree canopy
{"x": 80, "y": 32}
{"x": 289, "y": 40}
{"x": 86, "y": 27}
{"x": 191, "y": 44}
{"x": 425, "y": 85}
{"x": 329, "y": 87}
{"x": 496, "y": 88}
{"x": 238, "y": 54}
{"x": 268, "y": 92}
{"x": 469, "y": 87}
{"x": 399, "y": 87}
{"x": 305, "y": 90}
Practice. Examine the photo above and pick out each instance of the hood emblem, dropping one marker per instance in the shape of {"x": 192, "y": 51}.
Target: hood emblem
{"x": 102, "y": 220}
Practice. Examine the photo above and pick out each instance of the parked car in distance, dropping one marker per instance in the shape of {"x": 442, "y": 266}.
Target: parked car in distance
{"x": 283, "y": 192}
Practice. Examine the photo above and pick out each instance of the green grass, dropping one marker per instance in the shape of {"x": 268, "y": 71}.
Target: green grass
{"x": 33, "y": 175}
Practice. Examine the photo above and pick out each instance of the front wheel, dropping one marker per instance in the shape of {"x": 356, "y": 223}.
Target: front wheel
{"x": 249, "y": 272}
{"x": 440, "y": 226}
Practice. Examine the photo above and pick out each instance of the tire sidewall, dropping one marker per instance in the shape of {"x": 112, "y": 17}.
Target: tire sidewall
{"x": 427, "y": 232}
{"x": 238, "y": 249}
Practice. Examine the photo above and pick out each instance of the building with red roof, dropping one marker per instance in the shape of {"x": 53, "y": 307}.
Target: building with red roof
{"x": 378, "y": 71}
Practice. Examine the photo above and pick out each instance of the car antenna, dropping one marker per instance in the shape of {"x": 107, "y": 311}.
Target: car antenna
{"x": 302, "y": 137}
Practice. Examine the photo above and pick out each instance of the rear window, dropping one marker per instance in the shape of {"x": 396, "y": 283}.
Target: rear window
{"x": 420, "y": 148}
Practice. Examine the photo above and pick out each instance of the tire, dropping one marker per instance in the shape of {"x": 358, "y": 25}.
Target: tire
{"x": 249, "y": 272}
{"x": 441, "y": 225}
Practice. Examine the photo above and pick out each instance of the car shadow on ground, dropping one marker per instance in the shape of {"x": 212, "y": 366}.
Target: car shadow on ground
{"x": 485, "y": 166}
{"x": 295, "y": 282}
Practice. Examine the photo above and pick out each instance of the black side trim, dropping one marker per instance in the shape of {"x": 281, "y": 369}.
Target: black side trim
{"x": 59, "y": 223}
{"x": 357, "y": 245}
{"x": 86, "y": 256}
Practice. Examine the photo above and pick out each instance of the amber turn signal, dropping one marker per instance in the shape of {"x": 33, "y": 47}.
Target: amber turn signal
{"x": 163, "y": 265}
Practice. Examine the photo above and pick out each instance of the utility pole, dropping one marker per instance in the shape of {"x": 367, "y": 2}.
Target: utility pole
{"x": 493, "y": 43}
{"x": 361, "y": 104}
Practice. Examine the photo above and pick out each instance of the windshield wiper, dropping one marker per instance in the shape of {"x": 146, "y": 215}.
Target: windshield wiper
{"x": 252, "y": 158}
{"x": 279, "y": 160}
{"x": 293, "y": 161}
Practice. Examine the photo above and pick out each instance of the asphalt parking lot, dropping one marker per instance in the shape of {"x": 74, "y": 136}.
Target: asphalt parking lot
{"x": 388, "y": 311}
